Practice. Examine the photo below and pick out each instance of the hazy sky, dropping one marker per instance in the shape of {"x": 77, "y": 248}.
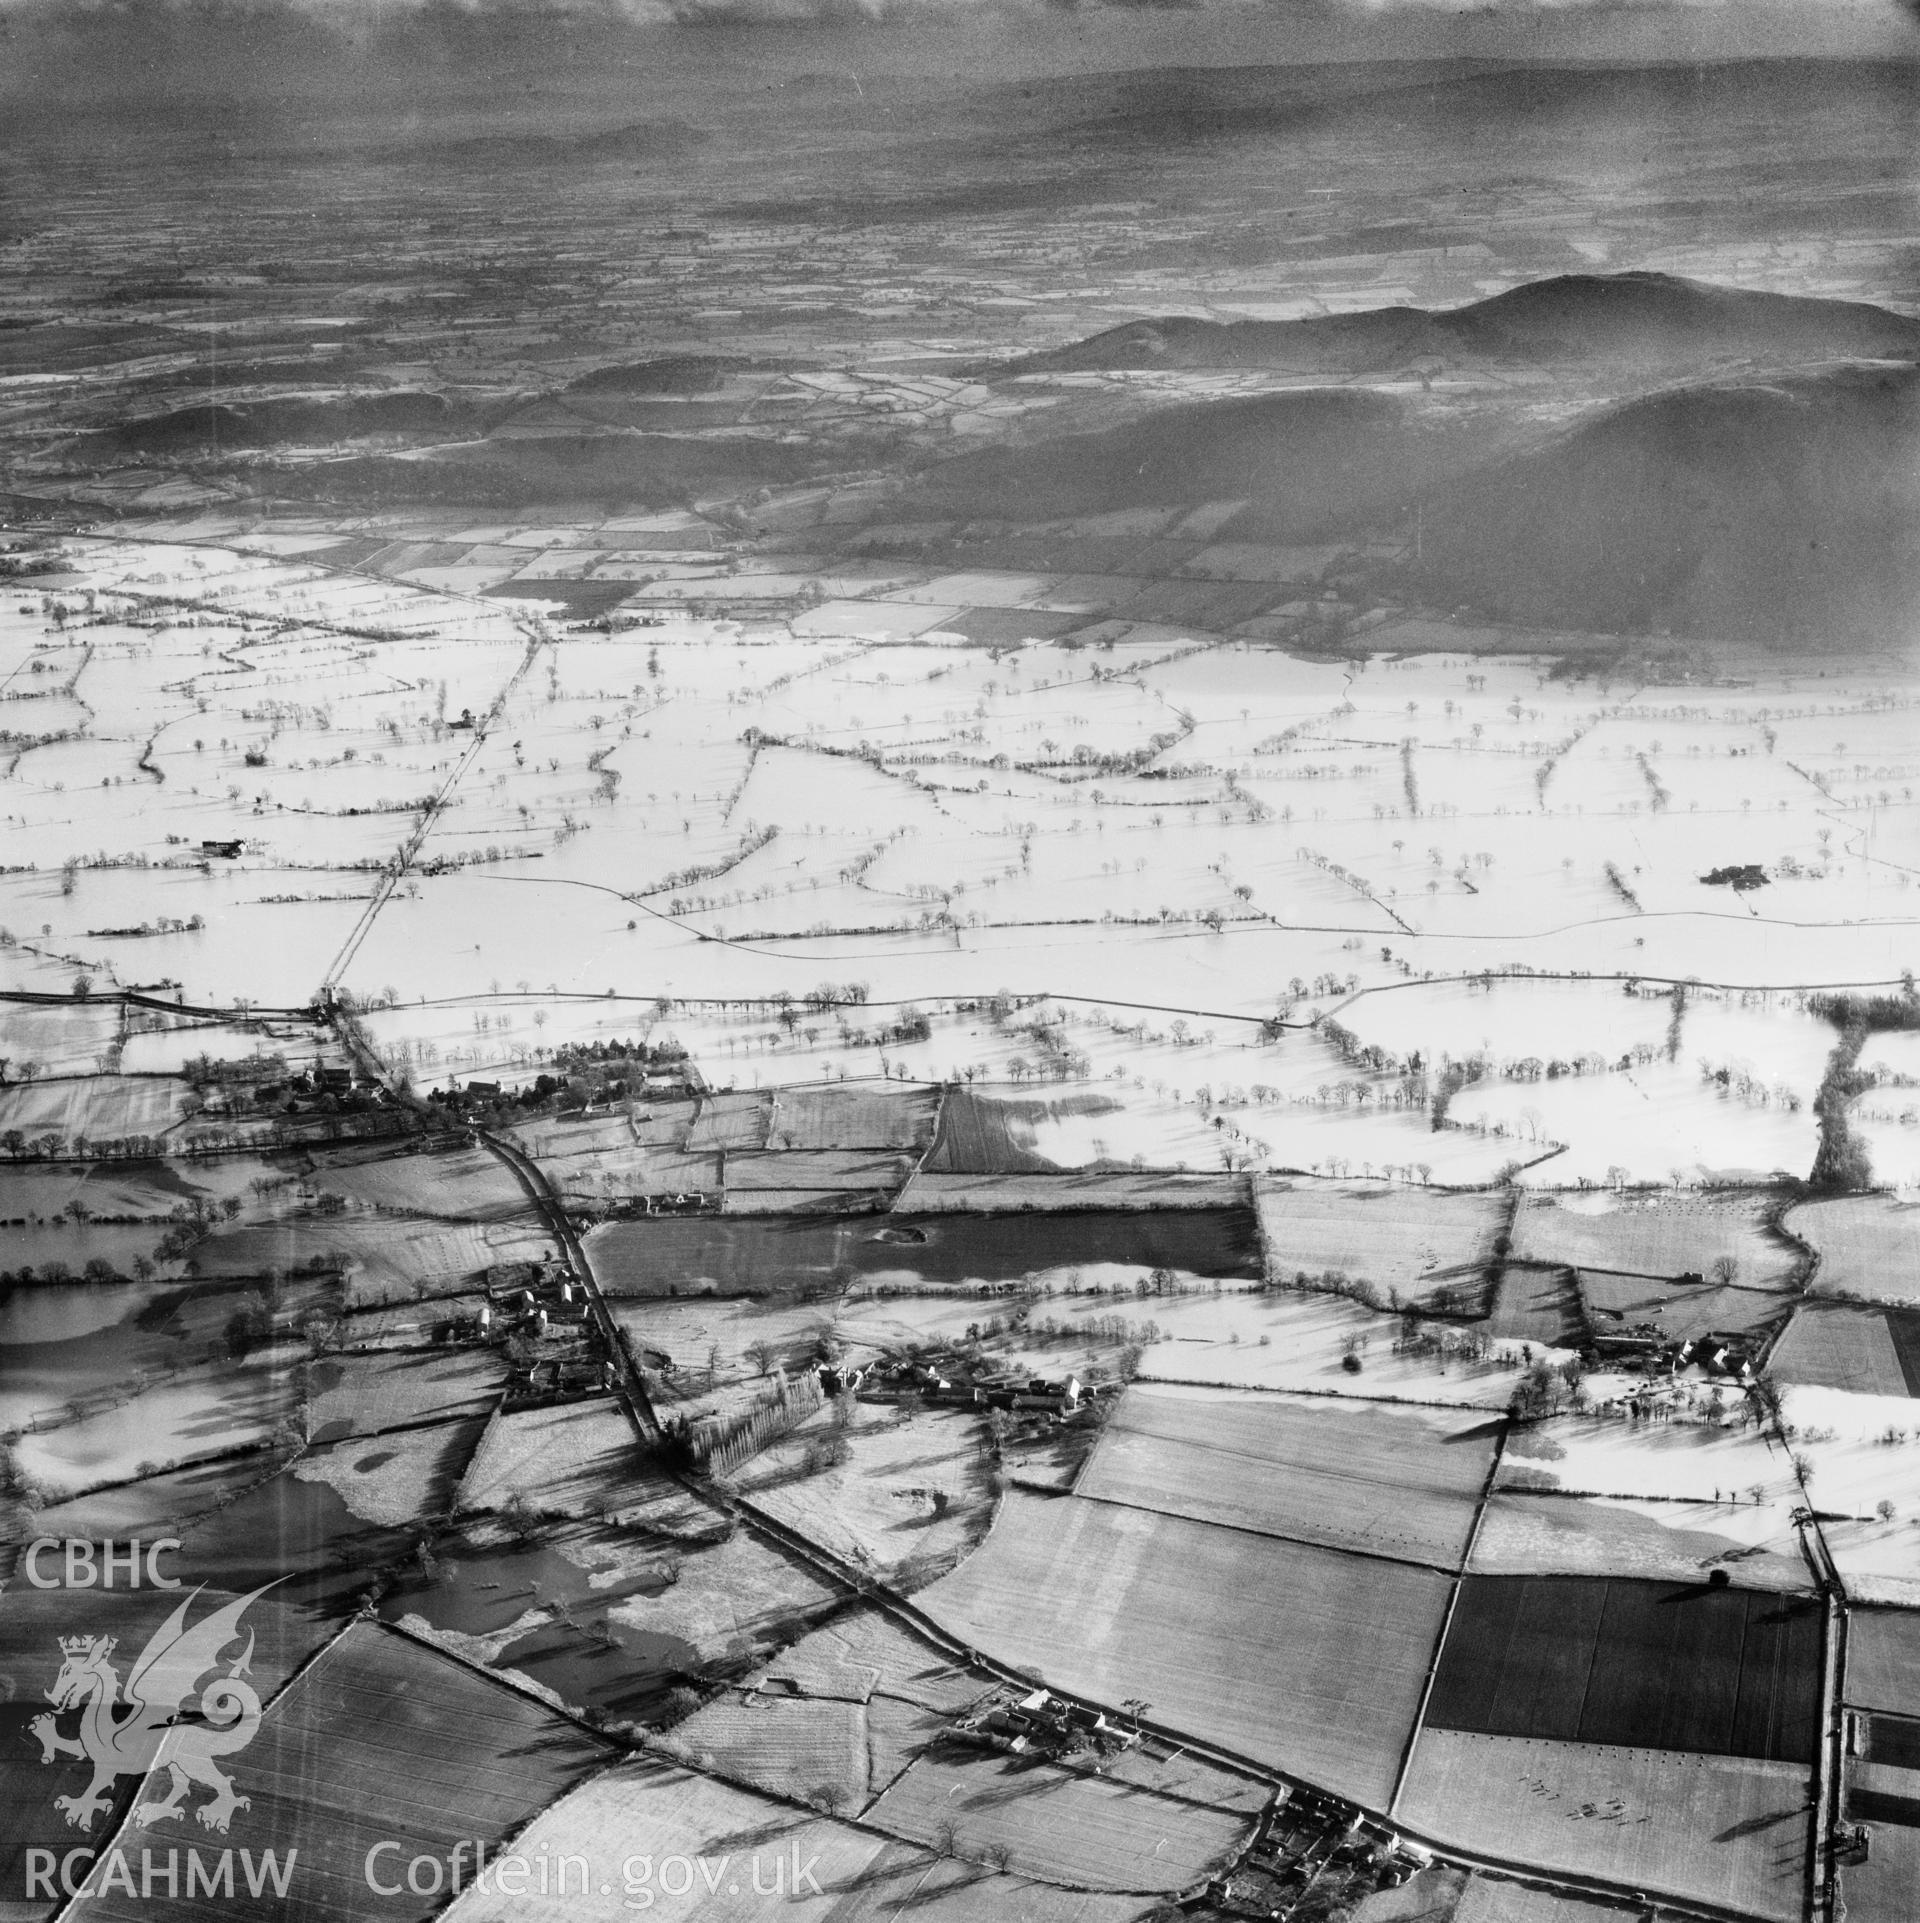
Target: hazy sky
{"x": 374, "y": 59}
{"x": 1009, "y": 35}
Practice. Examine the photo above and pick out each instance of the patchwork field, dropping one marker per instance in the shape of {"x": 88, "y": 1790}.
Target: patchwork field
{"x": 1394, "y": 1482}
{"x": 1728, "y": 1831}
{"x": 1323, "y": 1676}
{"x": 1133, "y": 701}
{"x": 1726, "y": 1671}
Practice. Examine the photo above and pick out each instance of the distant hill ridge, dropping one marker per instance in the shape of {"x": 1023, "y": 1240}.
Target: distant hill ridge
{"x": 1644, "y": 317}
{"x": 1779, "y": 510}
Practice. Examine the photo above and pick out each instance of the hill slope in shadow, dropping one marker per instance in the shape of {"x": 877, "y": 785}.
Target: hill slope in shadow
{"x": 1649, "y": 320}
{"x": 1778, "y": 511}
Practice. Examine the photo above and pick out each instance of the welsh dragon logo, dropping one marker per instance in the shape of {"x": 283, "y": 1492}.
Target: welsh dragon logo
{"x": 149, "y": 1724}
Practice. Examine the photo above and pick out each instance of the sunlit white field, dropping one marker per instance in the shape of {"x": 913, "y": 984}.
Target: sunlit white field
{"x": 1211, "y": 831}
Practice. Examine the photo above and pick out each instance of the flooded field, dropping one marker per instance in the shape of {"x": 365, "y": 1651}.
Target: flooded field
{"x": 701, "y": 1256}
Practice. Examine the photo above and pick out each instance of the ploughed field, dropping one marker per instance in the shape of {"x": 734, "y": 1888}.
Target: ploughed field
{"x": 1398, "y": 1482}
{"x": 1724, "y": 1671}
{"x": 1302, "y": 1658}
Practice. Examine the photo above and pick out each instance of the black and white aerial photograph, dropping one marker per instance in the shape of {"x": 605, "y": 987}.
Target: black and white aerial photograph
{"x": 958, "y": 961}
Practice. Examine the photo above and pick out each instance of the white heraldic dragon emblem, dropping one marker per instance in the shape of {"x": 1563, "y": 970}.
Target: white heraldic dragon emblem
{"x": 164, "y": 1717}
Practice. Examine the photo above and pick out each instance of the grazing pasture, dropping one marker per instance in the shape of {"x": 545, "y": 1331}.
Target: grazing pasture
{"x": 209, "y": 1409}
{"x": 1868, "y": 1246}
{"x": 387, "y": 1259}
{"x": 1393, "y": 1482}
{"x": 577, "y": 1459}
{"x": 833, "y": 1171}
{"x": 913, "y": 1487}
{"x": 1536, "y": 1304}
{"x": 1405, "y": 1241}
{"x": 1613, "y": 1302}
{"x": 898, "y": 1735}
{"x": 606, "y": 1617}
{"x": 1489, "y": 1899}
{"x": 103, "y": 1108}
{"x": 1056, "y": 1825}
{"x": 629, "y": 1822}
{"x": 1733, "y": 1832}
{"x": 1836, "y": 1345}
{"x": 1883, "y": 1660}
{"x": 717, "y": 1332}
{"x": 730, "y": 1121}
{"x": 360, "y": 1395}
{"x": 936, "y": 1193}
{"x": 458, "y": 1182}
{"x": 1543, "y": 1533}
{"x": 166, "y": 1504}
{"x": 1658, "y": 1235}
{"x": 1731, "y": 1672}
{"x": 68, "y": 1040}
{"x": 792, "y": 1745}
{"x": 863, "y": 1652}
{"x": 397, "y": 1479}
{"x": 1000, "y": 1135}
{"x": 1287, "y": 1339}
{"x": 852, "y": 1115}
{"x": 73, "y": 1348}
{"x": 1699, "y": 1462}
{"x": 735, "y": 1598}
{"x": 1323, "y": 1677}
{"x": 666, "y": 1833}
{"x": 1879, "y": 1558}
